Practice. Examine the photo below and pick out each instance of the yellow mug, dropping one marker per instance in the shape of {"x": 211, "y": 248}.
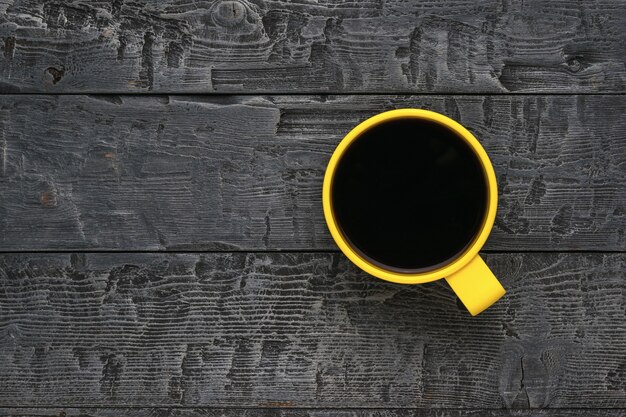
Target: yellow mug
{"x": 467, "y": 274}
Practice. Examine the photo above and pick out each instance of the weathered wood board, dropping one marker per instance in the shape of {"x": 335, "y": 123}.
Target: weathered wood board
{"x": 265, "y": 317}
{"x": 306, "y": 330}
{"x": 245, "y": 172}
{"x": 276, "y": 46}
{"x": 286, "y": 411}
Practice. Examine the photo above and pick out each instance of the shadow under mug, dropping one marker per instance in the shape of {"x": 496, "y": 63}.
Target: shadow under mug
{"x": 467, "y": 274}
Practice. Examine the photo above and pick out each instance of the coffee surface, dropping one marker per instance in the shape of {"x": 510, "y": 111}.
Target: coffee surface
{"x": 409, "y": 195}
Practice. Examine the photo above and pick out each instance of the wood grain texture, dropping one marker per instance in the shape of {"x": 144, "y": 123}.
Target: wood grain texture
{"x": 299, "y": 412}
{"x": 306, "y": 330}
{"x": 245, "y": 172}
{"x": 315, "y": 46}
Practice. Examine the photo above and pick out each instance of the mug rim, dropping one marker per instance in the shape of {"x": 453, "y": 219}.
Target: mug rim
{"x": 472, "y": 248}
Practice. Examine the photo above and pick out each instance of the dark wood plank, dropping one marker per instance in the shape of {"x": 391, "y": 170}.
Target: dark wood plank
{"x": 314, "y": 46}
{"x": 299, "y": 412}
{"x": 245, "y": 172}
{"x": 306, "y": 330}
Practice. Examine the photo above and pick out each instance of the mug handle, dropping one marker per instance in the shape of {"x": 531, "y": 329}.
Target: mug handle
{"x": 476, "y": 286}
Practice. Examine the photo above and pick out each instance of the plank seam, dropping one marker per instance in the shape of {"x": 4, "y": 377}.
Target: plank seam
{"x": 279, "y": 251}
{"x": 311, "y": 93}
{"x": 227, "y": 407}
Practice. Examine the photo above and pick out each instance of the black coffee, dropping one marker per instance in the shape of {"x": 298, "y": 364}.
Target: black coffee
{"x": 409, "y": 195}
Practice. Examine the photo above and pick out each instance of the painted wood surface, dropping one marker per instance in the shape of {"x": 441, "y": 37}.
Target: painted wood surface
{"x": 256, "y": 314}
{"x": 276, "y": 46}
{"x": 286, "y": 411}
{"x": 306, "y": 330}
{"x": 245, "y": 172}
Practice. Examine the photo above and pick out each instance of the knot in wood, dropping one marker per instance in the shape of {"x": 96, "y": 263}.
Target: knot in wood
{"x": 574, "y": 65}
{"x": 56, "y": 73}
{"x": 228, "y": 13}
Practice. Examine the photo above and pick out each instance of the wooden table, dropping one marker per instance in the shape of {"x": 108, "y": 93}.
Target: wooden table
{"x": 164, "y": 251}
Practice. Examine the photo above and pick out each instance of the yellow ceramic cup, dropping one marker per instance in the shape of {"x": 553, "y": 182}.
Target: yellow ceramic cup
{"x": 468, "y": 275}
